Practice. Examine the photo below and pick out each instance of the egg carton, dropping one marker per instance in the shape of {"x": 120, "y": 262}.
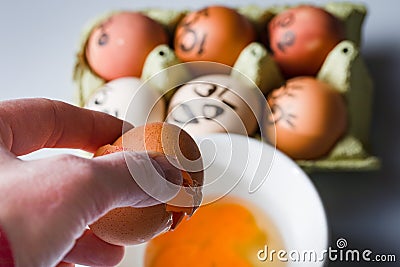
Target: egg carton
{"x": 344, "y": 69}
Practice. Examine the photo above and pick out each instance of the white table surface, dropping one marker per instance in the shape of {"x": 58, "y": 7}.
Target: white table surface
{"x": 38, "y": 41}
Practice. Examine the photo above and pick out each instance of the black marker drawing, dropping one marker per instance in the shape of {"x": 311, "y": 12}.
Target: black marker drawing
{"x": 101, "y": 98}
{"x": 279, "y": 115}
{"x": 103, "y": 39}
{"x": 211, "y": 91}
{"x": 208, "y": 92}
{"x": 191, "y": 118}
{"x": 286, "y": 90}
{"x": 208, "y": 111}
{"x": 197, "y": 39}
{"x": 196, "y": 16}
{"x": 288, "y": 39}
{"x": 285, "y": 20}
{"x": 211, "y": 111}
{"x": 201, "y": 47}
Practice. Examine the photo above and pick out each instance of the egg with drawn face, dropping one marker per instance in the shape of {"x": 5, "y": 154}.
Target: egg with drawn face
{"x": 309, "y": 117}
{"x": 118, "y": 47}
{"x": 128, "y": 99}
{"x": 214, "y": 33}
{"x": 301, "y": 37}
{"x": 215, "y": 103}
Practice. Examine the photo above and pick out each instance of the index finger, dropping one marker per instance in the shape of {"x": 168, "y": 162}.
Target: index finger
{"x": 27, "y": 125}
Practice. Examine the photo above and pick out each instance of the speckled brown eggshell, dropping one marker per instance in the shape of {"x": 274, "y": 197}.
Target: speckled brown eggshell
{"x": 128, "y": 225}
{"x": 309, "y": 116}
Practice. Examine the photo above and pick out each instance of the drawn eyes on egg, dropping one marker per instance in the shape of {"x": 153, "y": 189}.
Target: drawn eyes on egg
{"x": 100, "y": 103}
{"x": 211, "y": 111}
{"x": 275, "y": 115}
{"x": 103, "y": 39}
{"x": 279, "y": 115}
{"x": 183, "y": 113}
{"x": 100, "y": 98}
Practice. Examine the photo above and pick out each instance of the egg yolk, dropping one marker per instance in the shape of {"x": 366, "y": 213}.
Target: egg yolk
{"x": 218, "y": 235}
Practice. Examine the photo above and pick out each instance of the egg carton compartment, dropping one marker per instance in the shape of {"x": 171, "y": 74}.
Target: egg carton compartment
{"x": 343, "y": 68}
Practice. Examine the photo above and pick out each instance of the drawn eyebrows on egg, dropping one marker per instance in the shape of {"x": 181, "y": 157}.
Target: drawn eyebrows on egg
{"x": 289, "y": 119}
{"x": 280, "y": 114}
{"x": 285, "y": 21}
{"x": 196, "y": 16}
{"x": 187, "y": 112}
{"x": 211, "y": 111}
{"x": 275, "y": 115}
{"x": 211, "y": 90}
{"x": 286, "y": 90}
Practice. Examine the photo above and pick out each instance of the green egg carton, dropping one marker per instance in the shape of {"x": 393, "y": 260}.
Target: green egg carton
{"x": 344, "y": 69}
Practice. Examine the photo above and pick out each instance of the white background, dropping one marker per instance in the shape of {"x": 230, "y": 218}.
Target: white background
{"x": 38, "y": 41}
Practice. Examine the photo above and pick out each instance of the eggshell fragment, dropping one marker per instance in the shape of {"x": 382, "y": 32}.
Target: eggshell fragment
{"x": 128, "y": 225}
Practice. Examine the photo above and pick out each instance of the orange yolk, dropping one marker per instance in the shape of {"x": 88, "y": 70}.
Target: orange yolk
{"x": 221, "y": 234}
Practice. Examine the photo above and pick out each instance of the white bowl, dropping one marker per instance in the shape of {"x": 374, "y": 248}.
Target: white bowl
{"x": 287, "y": 195}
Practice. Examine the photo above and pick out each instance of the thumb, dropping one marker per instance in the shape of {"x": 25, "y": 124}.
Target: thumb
{"x": 136, "y": 179}
{"x": 61, "y": 195}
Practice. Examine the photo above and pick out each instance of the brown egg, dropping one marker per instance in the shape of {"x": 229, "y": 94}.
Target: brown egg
{"x": 309, "y": 115}
{"x": 118, "y": 47}
{"x": 215, "y": 33}
{"x": 129, "y": 226}
{"x": 301, "y": 37}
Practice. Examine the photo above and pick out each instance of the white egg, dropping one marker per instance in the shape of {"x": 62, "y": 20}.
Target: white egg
{"x": 129, "y": 99}
{"x": 215, "y": 103}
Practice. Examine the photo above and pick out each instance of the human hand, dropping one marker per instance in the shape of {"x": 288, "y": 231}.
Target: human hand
{"x": 46, "y": 204}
